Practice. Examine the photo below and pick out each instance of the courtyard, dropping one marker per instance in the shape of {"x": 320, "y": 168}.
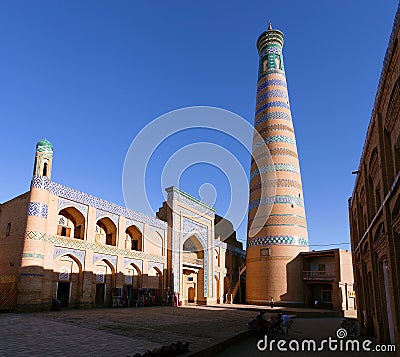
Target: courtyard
{"x": 125, "y": 332}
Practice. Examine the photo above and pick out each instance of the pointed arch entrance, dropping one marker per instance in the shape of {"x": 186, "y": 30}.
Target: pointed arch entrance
{"x": 133, "y": 282}
{"x": 68, "y": 278}
{"x": 104, "y": 276}
{"x": 192, "y": 270}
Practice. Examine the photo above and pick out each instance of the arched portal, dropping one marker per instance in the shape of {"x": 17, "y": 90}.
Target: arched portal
{"x": 106, "y": 231}
{"x": 192, "y": 271}
{"x": 104, "y": 281}
{"x": 68, "y": 278}
{"x": 134, "y": 238}
{"x": 71, "y": 223}
{"x": 133, "y": 282}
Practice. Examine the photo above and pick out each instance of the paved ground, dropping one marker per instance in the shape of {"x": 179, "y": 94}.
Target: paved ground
{"x": 124, "y": 332}
{"x": 116, "y": 332}
{"x": 303, "y": 328}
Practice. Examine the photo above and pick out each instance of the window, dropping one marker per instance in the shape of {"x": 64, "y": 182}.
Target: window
{"x": 378, "y": 197}
{"x": 45, "y": 169}
{"x": 321, "y": 267}
{"x": 326, "y": 295}
{"x": 265, "y": 252}
{"x": 8, "y": 230}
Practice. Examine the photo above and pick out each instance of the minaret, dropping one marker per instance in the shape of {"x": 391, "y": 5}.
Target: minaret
{"x": 274, "y": 239}
{"x": 33, "y": 279}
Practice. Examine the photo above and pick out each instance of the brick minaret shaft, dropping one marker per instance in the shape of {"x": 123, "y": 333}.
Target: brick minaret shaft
{"x": 274, "y": 239}
{"x": 33, "y": 279}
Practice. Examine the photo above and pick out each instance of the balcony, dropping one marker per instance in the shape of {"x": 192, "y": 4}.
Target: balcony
{"x": 190, "y": 260}
{"x": 318, "y": 275}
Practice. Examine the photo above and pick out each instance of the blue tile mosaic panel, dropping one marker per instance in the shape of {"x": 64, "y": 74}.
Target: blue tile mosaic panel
{"x": 78, "y": 254}
{"x": 270, "y": 240}
{"x": 83, "y": 198}
{"x": 38, "y": 209}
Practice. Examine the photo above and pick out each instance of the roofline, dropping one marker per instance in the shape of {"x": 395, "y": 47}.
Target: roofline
{"x": 382, "y": 80}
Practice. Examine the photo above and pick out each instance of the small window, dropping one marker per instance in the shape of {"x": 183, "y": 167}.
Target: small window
{"x": 8, "y": 230}
{"x": 45, "y": 169}
{"x": 378, "y": 198}
{"x": 326, "y": 296}
{"x": 321, "y": 267}
{"x": 265, "y": 252}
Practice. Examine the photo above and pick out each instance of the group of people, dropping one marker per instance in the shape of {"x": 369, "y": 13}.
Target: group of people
{"x": 276, "y": 324}
{"x": 171, "y": 298}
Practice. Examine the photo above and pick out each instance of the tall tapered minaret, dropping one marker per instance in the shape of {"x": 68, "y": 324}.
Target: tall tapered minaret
{"x": 278, "y": 234}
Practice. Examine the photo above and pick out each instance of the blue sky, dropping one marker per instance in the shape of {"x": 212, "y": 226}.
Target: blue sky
{"x": 89, "y": 75}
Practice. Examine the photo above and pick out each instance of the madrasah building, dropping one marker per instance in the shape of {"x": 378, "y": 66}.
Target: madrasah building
{"x": 60, "y": 243}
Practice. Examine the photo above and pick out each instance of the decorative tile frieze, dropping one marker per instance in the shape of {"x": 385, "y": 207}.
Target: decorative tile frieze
{"x": 131, "y": 222}
{"x": 38, "y": 209}
{"x": 274, "y": 139}
{"x": 272, "y": 116}
{"x": 137, "y": 262}
{"x": 271, "y": 49}
{"x": 32, "y": 275}
{"x": 176, "y": 194}
{"x": 274, "y": 167}
{"x": 189, "y": 227}
{"x": 64, "y": 203}
{"x": 159, "y": 266}
{"x": 276, "y": 200}
{"x": 111, "y": 258}
{"x": 273, "y": 104}
{"x": 78, "y": 254}
{"x": 93, "y": 246}
{"x": 276, "y": 183}
{"x": 32, "y": 255}
{"x": 101, "y": 214}
{"x": 40, "y": 182}
{"x": 273, "y": 93}
{"x": 271, "y": 82}
{"x": 98, "y": 203}
{"x": 279, "y": 240}
{"x": 276, "y": 127}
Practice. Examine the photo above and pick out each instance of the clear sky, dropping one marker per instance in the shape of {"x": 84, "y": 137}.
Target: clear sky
{"x": 89, "y": 75}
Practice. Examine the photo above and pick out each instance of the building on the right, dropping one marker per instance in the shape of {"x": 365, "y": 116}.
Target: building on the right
{"x": 329, "y": 281}
{"x": 374, "y": 208}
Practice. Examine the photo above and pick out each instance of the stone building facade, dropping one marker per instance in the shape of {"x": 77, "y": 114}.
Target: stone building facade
{"x": 374, "y": 208}
{"x": 329, "y": 281}
{"x": 57, "y": 242}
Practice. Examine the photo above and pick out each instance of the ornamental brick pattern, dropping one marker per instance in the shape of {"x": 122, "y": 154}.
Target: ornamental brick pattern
{"x": 283, "y": 230}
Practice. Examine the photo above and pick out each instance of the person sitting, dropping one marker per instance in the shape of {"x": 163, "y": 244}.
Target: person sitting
{"x": 286, "y": 323}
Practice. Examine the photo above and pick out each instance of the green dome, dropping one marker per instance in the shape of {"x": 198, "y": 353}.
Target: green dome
{"x": 44, "y": 146}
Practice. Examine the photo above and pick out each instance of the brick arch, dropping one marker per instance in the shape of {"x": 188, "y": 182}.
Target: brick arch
{"x": 106, "y": 231}
{"x": 75, "y": 216}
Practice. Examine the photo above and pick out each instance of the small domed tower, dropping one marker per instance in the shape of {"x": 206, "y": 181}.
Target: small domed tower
{"x": 44, "y": 158}
{"x": 32, "y": 279}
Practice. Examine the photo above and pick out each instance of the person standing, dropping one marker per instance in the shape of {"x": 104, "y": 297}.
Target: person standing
{"x": 272, "y": 302}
